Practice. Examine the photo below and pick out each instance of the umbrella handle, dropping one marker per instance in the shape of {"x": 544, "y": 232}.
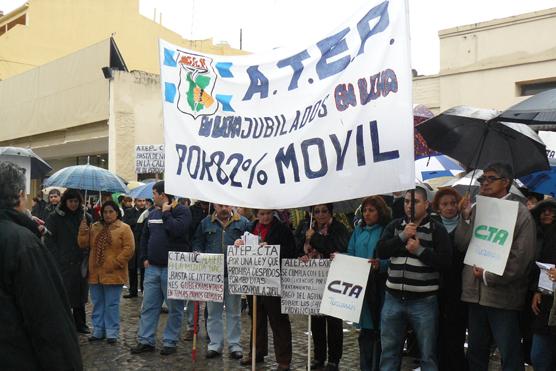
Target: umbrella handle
{"x": 481, "y": 146}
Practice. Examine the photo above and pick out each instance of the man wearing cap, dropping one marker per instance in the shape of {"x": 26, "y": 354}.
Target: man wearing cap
{"x": 419, "y": 250}
{"x": 496, "y": 301}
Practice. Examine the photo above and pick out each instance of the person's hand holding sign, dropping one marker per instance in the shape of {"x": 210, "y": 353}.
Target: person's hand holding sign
{"x": 552, "y": 274}
{"x": 375, "y": 264}
{"x": 478, "y": 272}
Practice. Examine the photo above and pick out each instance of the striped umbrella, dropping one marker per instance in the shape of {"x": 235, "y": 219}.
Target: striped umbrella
{"x": 435, "y": 167}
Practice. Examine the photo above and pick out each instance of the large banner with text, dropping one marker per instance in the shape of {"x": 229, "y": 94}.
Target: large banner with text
{"x": 269, "y": 130}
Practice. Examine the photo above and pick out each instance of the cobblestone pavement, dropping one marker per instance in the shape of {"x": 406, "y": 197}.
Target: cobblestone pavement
{"x": 103, "y": 356}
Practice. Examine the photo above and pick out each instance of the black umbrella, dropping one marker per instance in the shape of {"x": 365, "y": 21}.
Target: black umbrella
{"x": 472, "y": 137}
{"x": 538, "y": 111}
{"x": 39, "y": 167}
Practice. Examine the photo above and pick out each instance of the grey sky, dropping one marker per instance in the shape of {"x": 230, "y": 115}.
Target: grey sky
{"x": 268, "y": 24}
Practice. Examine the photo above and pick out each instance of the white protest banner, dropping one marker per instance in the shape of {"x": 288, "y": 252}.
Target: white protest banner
{"x": 254, "y": 270}
{"x": 22, "y": 162}
{"x": 345, "y": 287}
{"x": 294, "y": 126}
{"x": 194, "y": 276}
{"x": 303, "y": 285}
{"x": 493, "y": 234}
{"x": 149, "y": 159}
{"x": 549, "y": 139}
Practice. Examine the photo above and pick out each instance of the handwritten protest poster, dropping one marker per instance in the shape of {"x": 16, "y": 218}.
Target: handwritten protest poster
{"x": 254, "y": 270}
{"x": 549, "y": 139}
{"x": 194, "y": 276}
{"x": 345, "y": 287}
{"x": 493, "y": 234}
{"x": 149, "y": 159}
{"x": 303, "y": 285}
{"x": 292, "y": 127}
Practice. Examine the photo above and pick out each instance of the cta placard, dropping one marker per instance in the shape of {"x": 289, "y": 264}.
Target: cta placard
{"x": 345, "y": 287}
{"x": 493, "y": 234}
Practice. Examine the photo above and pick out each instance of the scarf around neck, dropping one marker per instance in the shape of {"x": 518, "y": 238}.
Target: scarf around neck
{"x": 450, "y": 223}
{"x": 104, "y": 240}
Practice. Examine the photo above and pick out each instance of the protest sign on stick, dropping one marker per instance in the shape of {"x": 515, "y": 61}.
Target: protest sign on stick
{"x": 194, "y": 276}
{"x": 345, "y": 287}
{"x": 493, "y": 233}
{"x": 254, "y": 270}
{"x": 303, "y": 285}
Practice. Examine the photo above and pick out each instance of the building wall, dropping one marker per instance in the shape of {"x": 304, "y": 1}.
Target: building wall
{"x": 55, "y": 28}
{"x": 483, "y": 64}
{"x": 136, "y": 118}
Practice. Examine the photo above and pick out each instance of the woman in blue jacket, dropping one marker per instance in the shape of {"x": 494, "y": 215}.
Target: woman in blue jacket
{"x": 364, "y": 239}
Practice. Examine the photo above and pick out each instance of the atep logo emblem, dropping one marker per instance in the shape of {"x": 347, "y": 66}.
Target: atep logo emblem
{"x": 196, "y": 84}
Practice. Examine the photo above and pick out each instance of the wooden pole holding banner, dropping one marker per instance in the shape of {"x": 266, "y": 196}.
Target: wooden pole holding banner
{"x": 195, "y": 330}
{"x": 309, "y": 342}
{"x": 412, "y": 209}
{"x": 309, "y": 318}
{"x": 254, "y": 341}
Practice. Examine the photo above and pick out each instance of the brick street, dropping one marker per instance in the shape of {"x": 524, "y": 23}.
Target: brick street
{"x": 102, "y": 356}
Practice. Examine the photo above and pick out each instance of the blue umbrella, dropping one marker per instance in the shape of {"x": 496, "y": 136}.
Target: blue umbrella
{"x": 143, "y": 191}
{"x": 543, "y": 182}
{"x": 87, "y": 178}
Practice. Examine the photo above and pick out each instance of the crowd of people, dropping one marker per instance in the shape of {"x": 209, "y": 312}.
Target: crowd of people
{"x": 418, "y": 289}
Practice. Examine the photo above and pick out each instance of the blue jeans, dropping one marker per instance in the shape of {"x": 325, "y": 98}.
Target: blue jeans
{"x": 543, "y": 352}
{"x": 502, "y": 325}
{"x": 106, "y": 310}
{"x": 155, "y": 292}
{"x": 422, "y": 315}
{"x": 215, "y": 325}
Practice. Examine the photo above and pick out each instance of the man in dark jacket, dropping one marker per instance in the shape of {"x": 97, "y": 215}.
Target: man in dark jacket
{"x": 37, "y": 327}
{"x": 418, "y": 250}
{"x": 61, "y": 240}
{"x": 495, "y": 301}
{"x": 166, "y": 229}
{"x": 131, "y": 216}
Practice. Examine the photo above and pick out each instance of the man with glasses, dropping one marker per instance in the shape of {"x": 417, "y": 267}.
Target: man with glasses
{"x": 496, "y": 301}
{"x": 419, "y": 249}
